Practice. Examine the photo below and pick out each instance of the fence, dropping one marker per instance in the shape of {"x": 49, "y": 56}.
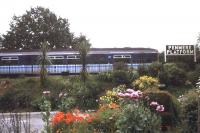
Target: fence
{"x": 56, "y": 69}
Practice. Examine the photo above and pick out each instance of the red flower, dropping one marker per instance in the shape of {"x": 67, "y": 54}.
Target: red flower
{"x": 90, "y": 119}
{"x": 78, "y": 118}
{"x": 69, "y": 118}
{"x": 58, "y": 117}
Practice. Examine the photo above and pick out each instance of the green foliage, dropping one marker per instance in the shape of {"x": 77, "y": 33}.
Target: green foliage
{"x": 171, "y": 115}
{"x": 35, "y": 26}
{"x": 120, "y": 77}
{"x": 105, "y": 120}
{"x": 83, "y": 95}
{"x": 190, "y": 111}
{"x": 19, "y": 94}
{"x": 133, "y": 74}
{"x": 193, "y": 76}
{"x": 173, "y": 75}
{"x": 105, "y": 76}
{"x": 142, "y": 70}
{"x": 45, "y": 106}
{"x": 13, "y": 99}
{"x": 136, "y": 118}
{"x": 146, "y": 82}
{"x": 43, "y": 61}
{"x": 25, "y": 93}
{"x": 83, "y": 47}
{"x": 120, "y": 66}
{"x": 154, "y": 69}
{"x": 67, "y": 103}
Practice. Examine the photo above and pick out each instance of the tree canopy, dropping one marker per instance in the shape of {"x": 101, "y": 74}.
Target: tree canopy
{"x": 82, "y": 45}
{"x": 36, "y": 26}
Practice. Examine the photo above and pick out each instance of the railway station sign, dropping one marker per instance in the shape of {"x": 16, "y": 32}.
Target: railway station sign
{"x": 180, "y": 50}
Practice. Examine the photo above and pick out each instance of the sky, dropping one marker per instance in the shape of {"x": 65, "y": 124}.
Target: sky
{"x": 120, "y": 23}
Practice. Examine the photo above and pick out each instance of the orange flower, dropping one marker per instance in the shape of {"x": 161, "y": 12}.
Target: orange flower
{"x": 113, "y": 106}
{"x": 58, "y": 117}
{"x": 69, "y": 118}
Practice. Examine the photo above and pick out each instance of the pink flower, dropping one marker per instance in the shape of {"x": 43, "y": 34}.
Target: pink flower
{"x": 139, "y": 93}
{"x": 134, "y": 95}
{"x": 130, "y": 90}
{"x": 160, "y": 108}
{"x": 127, "y": 94}
{"x": 154, "y": 104}
{"x": 120, "y": 94}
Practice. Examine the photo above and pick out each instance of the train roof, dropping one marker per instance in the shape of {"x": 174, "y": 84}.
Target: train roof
{"x": 71, "y": 51}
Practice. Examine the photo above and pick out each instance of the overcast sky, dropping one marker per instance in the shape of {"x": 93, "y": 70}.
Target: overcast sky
{"x": 120, "y": 23}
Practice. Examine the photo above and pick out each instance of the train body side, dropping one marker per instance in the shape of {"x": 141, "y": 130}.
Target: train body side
{"x": 98, "y": 60}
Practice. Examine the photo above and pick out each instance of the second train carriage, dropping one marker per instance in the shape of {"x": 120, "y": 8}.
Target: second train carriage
{"x": 98, "y": 60}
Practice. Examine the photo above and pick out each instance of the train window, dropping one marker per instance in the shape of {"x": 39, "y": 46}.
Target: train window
{"x": 117, "y": 56}
{"x": 10, "y": 58}
{"x": 73, "y": 57}
{"x": 127, "y": 56}
{"x": 56, "y": 57}
{"x": 121, "y": 56}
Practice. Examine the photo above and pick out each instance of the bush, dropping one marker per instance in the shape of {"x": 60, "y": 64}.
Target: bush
{"x": 133, "y": 75}
{"x": 120, "y": 77}
{"x": 154, "y": 69}
{"x": 142, "y": 70}
{"x": 105, "y": 119}
{"x": 105, "y": 76}
{"x": 173, "y": 75}
{"x": 190, "y": 111}
{"x": 85, "y": 94}
{"x": 145, "y": 82}
{"x": 120, "y": 66}
{"x": 136, "y": 118}
{"x": 193, "y": 77}
{"x": 172, "y": 108}
{"x": 15, "y": 99}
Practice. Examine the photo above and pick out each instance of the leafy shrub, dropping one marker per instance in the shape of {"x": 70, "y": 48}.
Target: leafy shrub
{"x": 142, "y": 70}
{"x": 85, "y": 94}
{"x": 105, "y": 76}
{"x": 193, "y": 76}
{"x": 172, "y": 108}
{"x": 133, "y": 75}
{"x": 120, "y": 66}
{"x": 154, "y": 69}
{"x": 173, "y": 75}
{"x": 120, "y": 77}
{"x": 137, "y": 118}
{"x": 190, "y": 111}
{"x": 145, "y": 82}
{"x": 15, "y": 99}
{"x": 105, "y": 119}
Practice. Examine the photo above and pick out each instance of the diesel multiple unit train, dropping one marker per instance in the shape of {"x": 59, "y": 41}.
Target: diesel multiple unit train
{"x": 98, "y": 60}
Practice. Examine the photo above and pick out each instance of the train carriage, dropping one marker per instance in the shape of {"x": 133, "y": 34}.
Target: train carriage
{"x": 98, "y": 60}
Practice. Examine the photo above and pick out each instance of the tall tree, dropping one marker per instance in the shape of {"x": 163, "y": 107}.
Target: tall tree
{"x": 82, "y": 45}
{"x": 34, "y": 27}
